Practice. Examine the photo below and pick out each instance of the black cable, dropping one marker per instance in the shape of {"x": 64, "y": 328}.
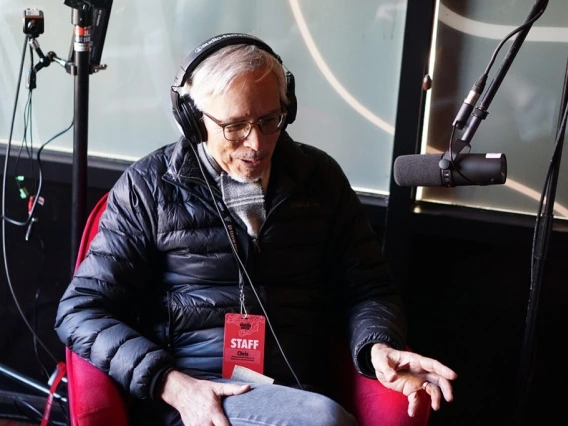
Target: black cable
{"x": 38, "y": 414}
{"x": 26, "y": 115}
{"x": 29, "y": 149}
{"x": 9, "y": 145}
{"x": 511, "y": 34}
{"x": 541, "y": 237}
{"x": 41, "y": 148}
{"x": 30, "y": 122}
{"x": 8, "y": 148}
{"x": 24, "y": 144}
{"x": 31, "y": 210}
{"x": 548, "y": 191}
{"x": 35, "y": 188}
{"x": 34, "y": 339}
{"x": 6, "y": 267}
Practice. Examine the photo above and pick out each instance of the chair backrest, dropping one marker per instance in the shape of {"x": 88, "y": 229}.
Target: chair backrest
{"x": 91, "y": 228}
{"x": 94, "y": 399}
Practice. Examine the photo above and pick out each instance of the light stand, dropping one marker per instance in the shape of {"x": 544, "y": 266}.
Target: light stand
{"x": 82, "y": 20}
{"x": 86, "y": 50}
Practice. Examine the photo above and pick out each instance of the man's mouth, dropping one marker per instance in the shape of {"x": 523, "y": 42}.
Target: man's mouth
{"x": 251, "y": 162}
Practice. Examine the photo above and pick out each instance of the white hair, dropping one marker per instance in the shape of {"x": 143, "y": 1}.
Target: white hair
{"x": 214, "y": 75}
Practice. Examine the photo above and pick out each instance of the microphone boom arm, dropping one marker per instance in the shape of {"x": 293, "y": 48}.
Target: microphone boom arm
{"x": 480, "y": 112}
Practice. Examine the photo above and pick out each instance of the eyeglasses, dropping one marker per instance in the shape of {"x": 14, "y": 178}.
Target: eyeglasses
{"x": 237, "y": 131}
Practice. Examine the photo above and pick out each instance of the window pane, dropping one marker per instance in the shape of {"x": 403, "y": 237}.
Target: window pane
{"x": 346, "y": 61}
{"x": 524, "y": 113}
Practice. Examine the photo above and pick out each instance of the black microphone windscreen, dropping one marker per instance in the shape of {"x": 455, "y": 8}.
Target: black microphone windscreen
{"x": 418, "y": 170}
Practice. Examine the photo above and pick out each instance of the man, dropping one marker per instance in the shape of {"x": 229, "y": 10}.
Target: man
{"x": 236, "y": 220}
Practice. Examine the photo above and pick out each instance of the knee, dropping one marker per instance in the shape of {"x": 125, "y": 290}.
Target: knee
{"x": 326, "y": 412}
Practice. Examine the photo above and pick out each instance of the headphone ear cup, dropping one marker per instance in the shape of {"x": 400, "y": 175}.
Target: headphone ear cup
{"x": 292, "y": 107}
{"x": 193, "y": 126}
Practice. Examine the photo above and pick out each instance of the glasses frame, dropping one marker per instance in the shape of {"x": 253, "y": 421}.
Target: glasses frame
{"x": 250, "y": 124}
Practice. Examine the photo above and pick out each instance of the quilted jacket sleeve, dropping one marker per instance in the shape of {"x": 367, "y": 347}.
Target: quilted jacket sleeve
{"x": 96, "y": 317}
{"x": 374, "y": 307}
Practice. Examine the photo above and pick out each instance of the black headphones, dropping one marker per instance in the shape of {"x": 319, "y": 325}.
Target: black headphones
{"x": 186, "y": 114}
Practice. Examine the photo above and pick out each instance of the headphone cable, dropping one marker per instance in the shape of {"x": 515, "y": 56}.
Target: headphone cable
{"x": 242, "y": 267}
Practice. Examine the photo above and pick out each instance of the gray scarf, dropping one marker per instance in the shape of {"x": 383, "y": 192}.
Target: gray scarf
{"x": 244, "y": 200}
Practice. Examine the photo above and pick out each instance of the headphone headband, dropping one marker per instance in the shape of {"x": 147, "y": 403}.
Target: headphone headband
{"x": 188, "y": 117}
{"x": 197, "y": 55}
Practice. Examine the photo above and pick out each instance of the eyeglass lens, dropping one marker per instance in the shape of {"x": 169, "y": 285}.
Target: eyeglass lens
{"x": 267, "y": 125}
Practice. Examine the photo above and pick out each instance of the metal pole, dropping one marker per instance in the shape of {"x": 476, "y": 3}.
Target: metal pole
{"x": 29, "y": 382}
{"x": 82, "y": 21}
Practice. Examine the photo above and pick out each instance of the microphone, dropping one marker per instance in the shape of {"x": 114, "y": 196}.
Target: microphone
{"x": 435, "y": 170}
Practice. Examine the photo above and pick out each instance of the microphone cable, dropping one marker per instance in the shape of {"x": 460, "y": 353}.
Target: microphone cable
{"x": 4, "y": 245}
{"x": 242, "y": 267}
{"x": 511, "y": 34}
{"x": 9, "y": 147}
{"x": 29, "y": 220}
{"x": 24, "y": 144}
{"x": 541, "y": 238}
{"x": 482, "y": 80}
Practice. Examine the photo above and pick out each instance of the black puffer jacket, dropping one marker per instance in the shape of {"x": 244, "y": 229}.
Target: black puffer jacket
{"x": 160, "y": 274}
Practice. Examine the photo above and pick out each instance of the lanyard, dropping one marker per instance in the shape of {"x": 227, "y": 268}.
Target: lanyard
{"x": 230, "y": 228}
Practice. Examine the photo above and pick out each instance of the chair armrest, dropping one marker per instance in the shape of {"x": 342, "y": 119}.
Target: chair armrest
{"x": 94, "y": 399}
{"x": 372, "y": 403}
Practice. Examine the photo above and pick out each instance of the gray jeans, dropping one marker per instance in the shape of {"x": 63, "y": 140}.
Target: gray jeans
{"x": 275, "y": 405}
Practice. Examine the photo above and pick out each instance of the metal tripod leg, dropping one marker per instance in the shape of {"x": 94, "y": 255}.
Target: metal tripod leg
{"x": 29, "y": 382}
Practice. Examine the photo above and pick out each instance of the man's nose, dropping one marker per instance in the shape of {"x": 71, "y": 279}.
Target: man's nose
{"x": 254, "y": 139}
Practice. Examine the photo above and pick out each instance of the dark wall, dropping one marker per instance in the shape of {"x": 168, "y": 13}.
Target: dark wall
{"x": 468, "y": 298}
{"x": 38, "y": 271}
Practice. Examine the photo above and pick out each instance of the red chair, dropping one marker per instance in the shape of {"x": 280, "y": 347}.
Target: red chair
{"x": 94, "y": 399}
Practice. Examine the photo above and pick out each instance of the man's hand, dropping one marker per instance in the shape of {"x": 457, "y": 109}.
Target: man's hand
{"x": 409, "y": 373}
{"x": 198, "y": 401}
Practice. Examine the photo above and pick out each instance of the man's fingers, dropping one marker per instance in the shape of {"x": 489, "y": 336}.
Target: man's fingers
{"x": 384, "y": 360}
{"x": 434, "y": 366}
{"x": 413, "y": 401}
{"x": 231, "y": 389}
{"x": 219, "y": 419}
{"x": 385, "y": 372}
{"x": 390, "y": 374}
{"x": 444, "y": 386}
{"x": 435, "y": 394}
